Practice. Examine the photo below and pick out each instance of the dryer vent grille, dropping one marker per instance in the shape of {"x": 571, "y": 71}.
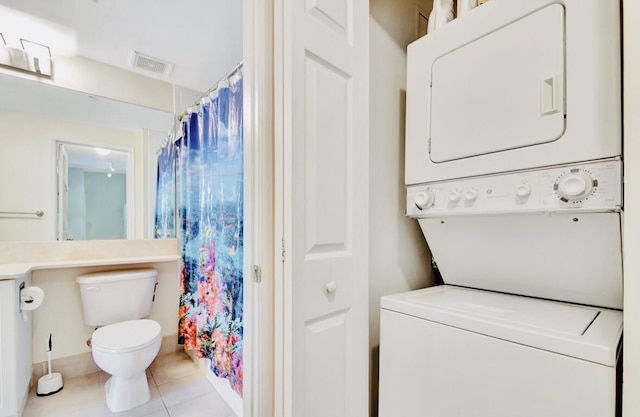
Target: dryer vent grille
{"x": 148, "y": 63}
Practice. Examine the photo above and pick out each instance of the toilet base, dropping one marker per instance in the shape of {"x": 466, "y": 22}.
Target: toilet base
{"x": 125, "y": 393}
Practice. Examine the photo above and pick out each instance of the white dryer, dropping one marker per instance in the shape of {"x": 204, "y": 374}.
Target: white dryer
{"x": 529, "y": 321}
{"x": 514, "y": 84}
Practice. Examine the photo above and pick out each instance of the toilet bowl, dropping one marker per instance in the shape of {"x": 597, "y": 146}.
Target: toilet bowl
{"x": 125, "y": 344}
{"x": 125, "y": 350}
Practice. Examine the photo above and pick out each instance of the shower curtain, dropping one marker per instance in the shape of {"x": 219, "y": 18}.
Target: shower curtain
{"x": 209, "y": 187}
{"x": 165, "y": 214}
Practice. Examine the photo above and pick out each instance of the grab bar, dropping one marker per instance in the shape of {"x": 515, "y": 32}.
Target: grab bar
{"x": 38, "y": 213}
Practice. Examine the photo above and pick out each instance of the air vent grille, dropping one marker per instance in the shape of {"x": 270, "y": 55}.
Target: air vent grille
{"x": 150, "y": 64}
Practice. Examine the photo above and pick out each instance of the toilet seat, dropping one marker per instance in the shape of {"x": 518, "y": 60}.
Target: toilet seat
{"x": 126, "y": 336}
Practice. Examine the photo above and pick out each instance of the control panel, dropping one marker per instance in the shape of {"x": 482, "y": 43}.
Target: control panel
{"x": 594, "y": 186}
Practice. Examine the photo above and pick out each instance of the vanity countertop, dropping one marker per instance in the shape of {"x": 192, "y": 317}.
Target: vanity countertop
{"x": 18, "y": 259}
{"x": 10, "y": 271}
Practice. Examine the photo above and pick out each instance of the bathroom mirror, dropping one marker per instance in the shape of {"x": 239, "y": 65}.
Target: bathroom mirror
{"x": 40, "y": 122}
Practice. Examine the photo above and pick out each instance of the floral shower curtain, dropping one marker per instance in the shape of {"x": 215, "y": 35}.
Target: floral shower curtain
{"x": 209, "y": 184}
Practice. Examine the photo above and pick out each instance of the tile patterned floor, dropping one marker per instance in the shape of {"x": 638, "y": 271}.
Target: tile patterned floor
{"x": 178, "y": 389}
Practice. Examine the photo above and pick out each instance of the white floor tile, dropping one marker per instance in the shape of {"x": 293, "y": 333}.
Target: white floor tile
{"x": 184, "y": 389}
{"x": 153, "y": 405}
{"x": 80, "y": 395}
{"x": 170, "y": 371}
{"x": 171, "y": 357}
{"x": 159, "y": 413}
{"x": 210, "y": 405}
{"x": 178, "y": 388}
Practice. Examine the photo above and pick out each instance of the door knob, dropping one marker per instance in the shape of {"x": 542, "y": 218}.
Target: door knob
{"x": 330, "y": 287}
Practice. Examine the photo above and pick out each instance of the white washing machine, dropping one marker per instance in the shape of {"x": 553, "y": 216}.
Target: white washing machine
{"x": 448, "y": 351}
{"x": 529, "y": 321}
{"x": 514, "y": 84}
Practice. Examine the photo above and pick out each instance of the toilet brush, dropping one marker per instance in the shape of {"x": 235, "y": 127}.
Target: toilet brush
{"x": 52, "y": 382}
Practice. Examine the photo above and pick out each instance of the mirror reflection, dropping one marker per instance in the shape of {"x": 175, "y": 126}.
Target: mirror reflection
{"x": 94, "y": 191}
{"x": 36, "y": 121}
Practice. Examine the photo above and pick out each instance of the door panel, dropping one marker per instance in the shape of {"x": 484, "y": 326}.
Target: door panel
{"x": 325, "y": 177}
{"x": 327, "y": 169}
{"x": 326, "y": 347}
{"x": 335, "y": 14}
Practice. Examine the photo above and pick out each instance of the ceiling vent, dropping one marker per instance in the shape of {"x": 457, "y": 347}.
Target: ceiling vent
{"x": 150, "y": 64}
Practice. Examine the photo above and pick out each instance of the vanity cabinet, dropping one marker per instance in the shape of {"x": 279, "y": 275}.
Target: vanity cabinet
{"x": 15, "y": 348}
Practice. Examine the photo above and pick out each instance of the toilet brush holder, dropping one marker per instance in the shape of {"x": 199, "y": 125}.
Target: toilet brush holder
{"x": 51, "y": 382}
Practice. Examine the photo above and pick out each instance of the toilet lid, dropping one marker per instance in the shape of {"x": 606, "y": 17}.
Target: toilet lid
{"x": 126, "y": 336}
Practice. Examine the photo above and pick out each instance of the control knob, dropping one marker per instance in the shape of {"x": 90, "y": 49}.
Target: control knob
{"x": 471, "y": 195}
{"x": 523, "y": 190}
{"x": 575, "y": 185}
{"x": 454, "y": 196}
{"x": 424, "y": 199}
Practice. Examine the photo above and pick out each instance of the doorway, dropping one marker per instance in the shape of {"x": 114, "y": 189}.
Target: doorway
{"x": 94, "y": 192}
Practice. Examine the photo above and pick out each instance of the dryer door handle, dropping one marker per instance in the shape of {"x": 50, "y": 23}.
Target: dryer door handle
{"x": 551, "y": 95}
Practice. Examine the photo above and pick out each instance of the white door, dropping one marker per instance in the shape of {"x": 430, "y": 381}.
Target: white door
{"x": 324, "y": 116}
{"x": 62, "y": 170}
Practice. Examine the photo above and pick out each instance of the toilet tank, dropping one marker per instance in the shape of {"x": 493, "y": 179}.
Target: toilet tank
{"x": 115, "y": 296}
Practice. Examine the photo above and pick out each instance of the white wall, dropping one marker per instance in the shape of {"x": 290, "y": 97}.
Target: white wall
{"x": 399, "y": 259}
{"x": 631, "y": 240}
{"x": 27, "y": 169}
{"x": 92, "y": 77}
{"x": 106, "y": 203}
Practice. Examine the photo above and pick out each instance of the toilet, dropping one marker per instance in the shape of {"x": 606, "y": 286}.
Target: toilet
{"x": 125, "y": 343}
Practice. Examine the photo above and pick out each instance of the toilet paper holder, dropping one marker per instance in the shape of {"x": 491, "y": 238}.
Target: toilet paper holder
{"x": 27, "y": 299}
{"x": 30, "y": 298}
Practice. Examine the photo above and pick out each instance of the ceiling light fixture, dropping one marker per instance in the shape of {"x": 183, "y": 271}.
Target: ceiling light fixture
{"x": 33, "y": 57}
{"x": 41, "y": 56}
{"x": 36, "y": 49}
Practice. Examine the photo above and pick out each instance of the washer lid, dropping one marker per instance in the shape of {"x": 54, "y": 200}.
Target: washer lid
{"x": 570, "y": 257}
{"x": 582, "y": 332}
{"x": 126, "y": 336}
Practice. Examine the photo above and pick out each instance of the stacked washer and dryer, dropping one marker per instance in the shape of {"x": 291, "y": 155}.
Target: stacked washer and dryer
{"x": 513, "y": 170}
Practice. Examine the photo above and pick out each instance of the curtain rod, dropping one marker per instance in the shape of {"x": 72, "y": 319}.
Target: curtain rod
{"x": 171, "y": 132}
{"x": 211, "y": 90}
